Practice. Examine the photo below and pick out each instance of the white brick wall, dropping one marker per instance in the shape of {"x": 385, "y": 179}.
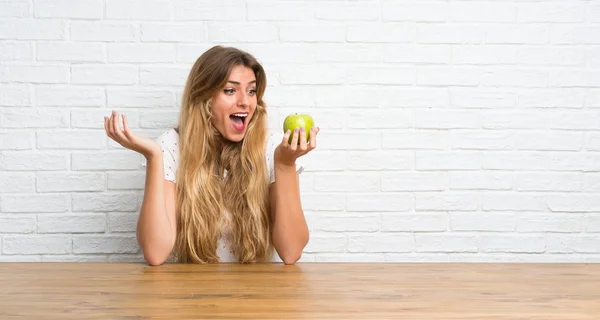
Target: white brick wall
{"x": 452, "y": 130}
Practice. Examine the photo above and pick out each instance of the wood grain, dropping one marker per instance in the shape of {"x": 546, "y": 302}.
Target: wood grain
{"x": 302, "y": 291}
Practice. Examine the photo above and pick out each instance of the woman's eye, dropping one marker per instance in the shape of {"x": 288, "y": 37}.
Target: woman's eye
{"x": 252, "y": 92}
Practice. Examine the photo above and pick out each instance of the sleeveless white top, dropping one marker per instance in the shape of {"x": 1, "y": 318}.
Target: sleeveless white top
{"x": 168, "y": 142}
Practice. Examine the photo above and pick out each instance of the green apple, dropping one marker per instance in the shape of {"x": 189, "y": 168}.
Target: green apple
{"x": 296, "y": 120}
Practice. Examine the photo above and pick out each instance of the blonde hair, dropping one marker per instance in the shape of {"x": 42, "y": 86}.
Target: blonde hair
{"x": 203, "y": 193}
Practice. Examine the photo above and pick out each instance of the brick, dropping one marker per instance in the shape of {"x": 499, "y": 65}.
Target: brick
{"x": 574, "y": 34}
{"x": 489, "y": 54}
{"x": 122, "y": 222}
{"x": 448, "y": 76}
{"x": 389, "y": 242}
{"x": 15, "y": 51}
{"x": 323, "y": 201}
{"x": 574, "y": 203}
{"x": 141, "y": 52}
{"x": 444, "y": 201}
{"x": 27, "y": 29}
{"x": 16, "y": 140}
{"x": 84, "y": 9}
{"x": 82, "y": 31}
{"x": 70, "y": 182}
{"x": 71, "y": 52}
{"x": 414, "y": 222}
{"x": 367, "y": 160}
{"x": 478, "y": 140}
{"x": 562, "y": 243}
{"x": 226, "y": 10}
{"x": 529, "y": 78}
{"x": 326, "y": 242}
{"x": 164, "y": 76}
{"x": 376, "y": 32}
{"x": 15, "y": 95}
{"x": 36, "y": 244}
{"x": 242, "y": 32}
{"x": 15, "y": 9}
{"x": 69, "y": 96}
{"x": 410, "y": 53}
{"x": 482, "y": 98}
{"x": 22, "y": 73}
{"x": 575, "y": 78}
{"x": 591, "y": 223}
{"x": 139, "y": 98}
{"x": 31, "y": 203}
{"x": 443, "y": 160}
{"x": 369, "y": 10}
{"x": 420, "y": 181}
{"x": 347, "y": 182}
{"x": 281, "y": 11}
{"x": 415, "y": 97}
{"x": 551, "y": 98}
{"x": 17, "y": 182}
{"x": 100, "y": 202}
{"x": 513, "y": 202}
{"x": 113, "y": 160}
{"x": 104, "y": 74}
{"x": 513, "y": 243}
{"x": 104, "y": 244}
{"x": 514, "y": 120}
{"x": 363, "y": 222}
{"x": 446, "y": 119}
{"x": 536, "y": 222}
{"x": 349, "y": 96}
{"x": 388, "y": 202}
{"x": 155, "y": 10}
{"x": 33, "y": 161}
{"x": 34, "y": 118}
{"x": 480, "y": 181}
{"x": 421, "y": 11}
{"x": 181, "y": 32}
{"x": 322, "y": 32}
{"x": 483, "y": 222}
{"x": 22, "y": 224}
{"x": 467, "y": 11}
{"x": 90, "y": 118}
{"x": 350, "y": 141}
{"x": 379, "y": 119}
{"x": 71, "y": 223}
{"x": 381, "y": 75}
{"x": 549, "y": 141}
{"x": 516, "y": 34}
{"x": 446, "y": 243}
{"x": 550, "y": 12}
{"x": 437, "y": 33}
{"x": 415, "y": 140}
{"x": 349, "y": 53}
{"x": 551, "y": 56}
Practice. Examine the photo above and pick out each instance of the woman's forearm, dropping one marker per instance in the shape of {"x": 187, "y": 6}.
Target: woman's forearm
{"x": 290, "y": 231}
{"x": 154, "y": 228}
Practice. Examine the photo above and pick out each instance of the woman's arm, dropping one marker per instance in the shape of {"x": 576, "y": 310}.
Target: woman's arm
{"x": 156, "y": 224}
{"x": 290, "y": 231}
{"x": 156, "y": 227}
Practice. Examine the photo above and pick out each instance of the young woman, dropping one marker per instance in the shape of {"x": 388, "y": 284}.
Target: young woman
{"x": 218, "y": 187}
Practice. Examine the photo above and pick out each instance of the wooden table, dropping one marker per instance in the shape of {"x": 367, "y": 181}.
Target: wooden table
{"x": 302, "y": 291}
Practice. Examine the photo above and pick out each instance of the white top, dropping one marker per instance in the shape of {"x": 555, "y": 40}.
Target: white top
{"x": 168, "y": 142}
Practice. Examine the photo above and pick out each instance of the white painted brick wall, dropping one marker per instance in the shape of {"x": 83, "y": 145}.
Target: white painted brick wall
{"x": 452, "y": 130}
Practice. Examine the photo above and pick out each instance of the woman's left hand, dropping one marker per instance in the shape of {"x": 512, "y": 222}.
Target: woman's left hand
{"x": 287, "y": 152}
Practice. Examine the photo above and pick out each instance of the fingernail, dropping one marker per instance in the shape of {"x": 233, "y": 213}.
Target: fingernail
{"x": 296, "y": 130}
{"x": 302, "y": 129}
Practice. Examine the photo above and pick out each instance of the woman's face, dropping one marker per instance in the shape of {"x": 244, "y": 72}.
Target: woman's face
{"x": 234, "y": 105}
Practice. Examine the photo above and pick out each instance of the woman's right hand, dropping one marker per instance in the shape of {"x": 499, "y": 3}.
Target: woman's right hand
{"x": 126, "y": 138}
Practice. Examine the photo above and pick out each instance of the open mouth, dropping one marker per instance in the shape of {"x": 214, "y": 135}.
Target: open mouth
{"x": 239, "y": 120}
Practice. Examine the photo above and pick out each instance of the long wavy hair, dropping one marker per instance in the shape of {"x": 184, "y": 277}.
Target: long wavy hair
{"x": 216, "y": 176}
